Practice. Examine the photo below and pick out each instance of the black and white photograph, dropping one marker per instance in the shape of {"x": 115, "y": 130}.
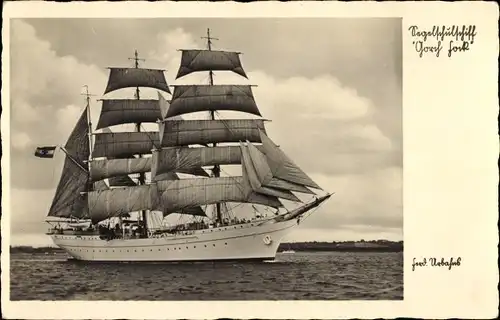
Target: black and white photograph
{"x": 267, "y": 158}
{"x": 229, "y": 162}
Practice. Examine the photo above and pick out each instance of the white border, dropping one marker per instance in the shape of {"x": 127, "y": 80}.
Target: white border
{"x": 450, "y": 167}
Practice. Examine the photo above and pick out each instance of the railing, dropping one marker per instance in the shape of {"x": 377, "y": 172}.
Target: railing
{"x": 186, "y": 230}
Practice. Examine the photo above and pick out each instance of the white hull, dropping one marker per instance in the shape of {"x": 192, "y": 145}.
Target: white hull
{"x": 237, "y": 242}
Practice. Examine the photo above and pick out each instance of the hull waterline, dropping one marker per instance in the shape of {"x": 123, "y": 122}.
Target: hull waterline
{"x": 249, "y": 241}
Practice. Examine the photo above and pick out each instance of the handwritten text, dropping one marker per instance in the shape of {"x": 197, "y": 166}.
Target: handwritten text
{"x": 450, "y": 38}
{"x": 436, "y": 262}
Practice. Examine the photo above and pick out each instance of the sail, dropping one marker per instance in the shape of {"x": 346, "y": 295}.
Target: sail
{"x": 282, "y": 166}
{"x": 194, "y": 98}
{"x": 68, "y": 200}
{"x": 185, "y": 132}
{"x": 255, "y": 181}
{"x": 120, "y": 78}
{"x": 164, "y": 105}
{"x": 102, "y": 169}
{"x": 104, "y": 204}
{"x": 209, "y": 60}
{"x": 122, "y": 111}
{"x": 100, "y": 185}
{"x": 265, "y": 175}
{"x": 256, "y": 197}
{"x": 180, "y": 194}
{"x": 182, "y": 159}
{"x": 124, "y": 144}
{"x": 194, "y": 211}
{"x": 121, "y": 181}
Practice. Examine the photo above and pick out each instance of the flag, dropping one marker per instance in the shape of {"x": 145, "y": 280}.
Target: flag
{"x": 45, "y": 152}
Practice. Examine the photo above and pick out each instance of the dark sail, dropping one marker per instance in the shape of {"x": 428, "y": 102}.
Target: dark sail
{"x": 68, "y": 201}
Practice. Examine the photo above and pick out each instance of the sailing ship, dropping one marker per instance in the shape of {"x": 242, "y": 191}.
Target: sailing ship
{"x": 116, "y": 186}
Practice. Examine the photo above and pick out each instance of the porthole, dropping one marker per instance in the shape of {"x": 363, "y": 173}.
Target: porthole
{"x": 142, "y": 250}
{"x": 225, "y": 243}
{"x": 151, "y": 250}
{"x": 159, "y": 249}
{"x": 187, "y": 247}
{"x": 194, "y": 247}
{"x": 205, "y": 246}
{"x": 214, "y": 244}
{"x": 135, "y": 250}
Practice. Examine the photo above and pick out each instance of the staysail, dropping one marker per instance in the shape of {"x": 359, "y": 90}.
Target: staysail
{"x": 257, "y": 183}
{"x": 282, "y": 166}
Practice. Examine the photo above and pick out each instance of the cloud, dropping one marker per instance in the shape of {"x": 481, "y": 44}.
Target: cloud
{"x": 43, "y": 82}
{"x": 29, "y": 208}
{"x": 371, "y": 199}
{"x": 20, "y": 140}
{"x": 46, "y": 101}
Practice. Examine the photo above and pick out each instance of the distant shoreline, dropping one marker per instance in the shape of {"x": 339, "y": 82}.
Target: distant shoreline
{"x": 346, "y": 246}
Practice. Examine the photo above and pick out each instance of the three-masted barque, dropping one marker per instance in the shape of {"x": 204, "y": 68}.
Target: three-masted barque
{"x": 116, "y": 186}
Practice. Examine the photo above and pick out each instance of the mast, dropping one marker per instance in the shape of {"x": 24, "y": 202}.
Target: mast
{"x": 89, "y": 124}
{"x": 216, "y": 168}
{"x": 142, "y": 176}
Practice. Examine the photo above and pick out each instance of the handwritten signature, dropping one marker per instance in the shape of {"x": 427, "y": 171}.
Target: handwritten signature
{"x": 434, "y": 262}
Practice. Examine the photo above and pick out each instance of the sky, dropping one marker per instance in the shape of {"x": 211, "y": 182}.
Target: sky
{"x": 331, "y": 86}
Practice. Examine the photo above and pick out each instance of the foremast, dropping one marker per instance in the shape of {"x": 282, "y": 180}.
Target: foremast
{"x": 120, "y": 154}
{"x": 142, "y": 175}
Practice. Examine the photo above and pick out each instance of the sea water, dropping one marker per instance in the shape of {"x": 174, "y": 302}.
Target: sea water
{"x": 301, "y": 275}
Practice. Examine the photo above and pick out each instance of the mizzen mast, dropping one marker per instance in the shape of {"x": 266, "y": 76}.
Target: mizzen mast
{"x": 89, "y": 125}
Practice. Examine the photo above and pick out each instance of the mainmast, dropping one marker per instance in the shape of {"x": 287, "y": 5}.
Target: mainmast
{"x": 216, "y": 168}
{"x": 142, "y": 176}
